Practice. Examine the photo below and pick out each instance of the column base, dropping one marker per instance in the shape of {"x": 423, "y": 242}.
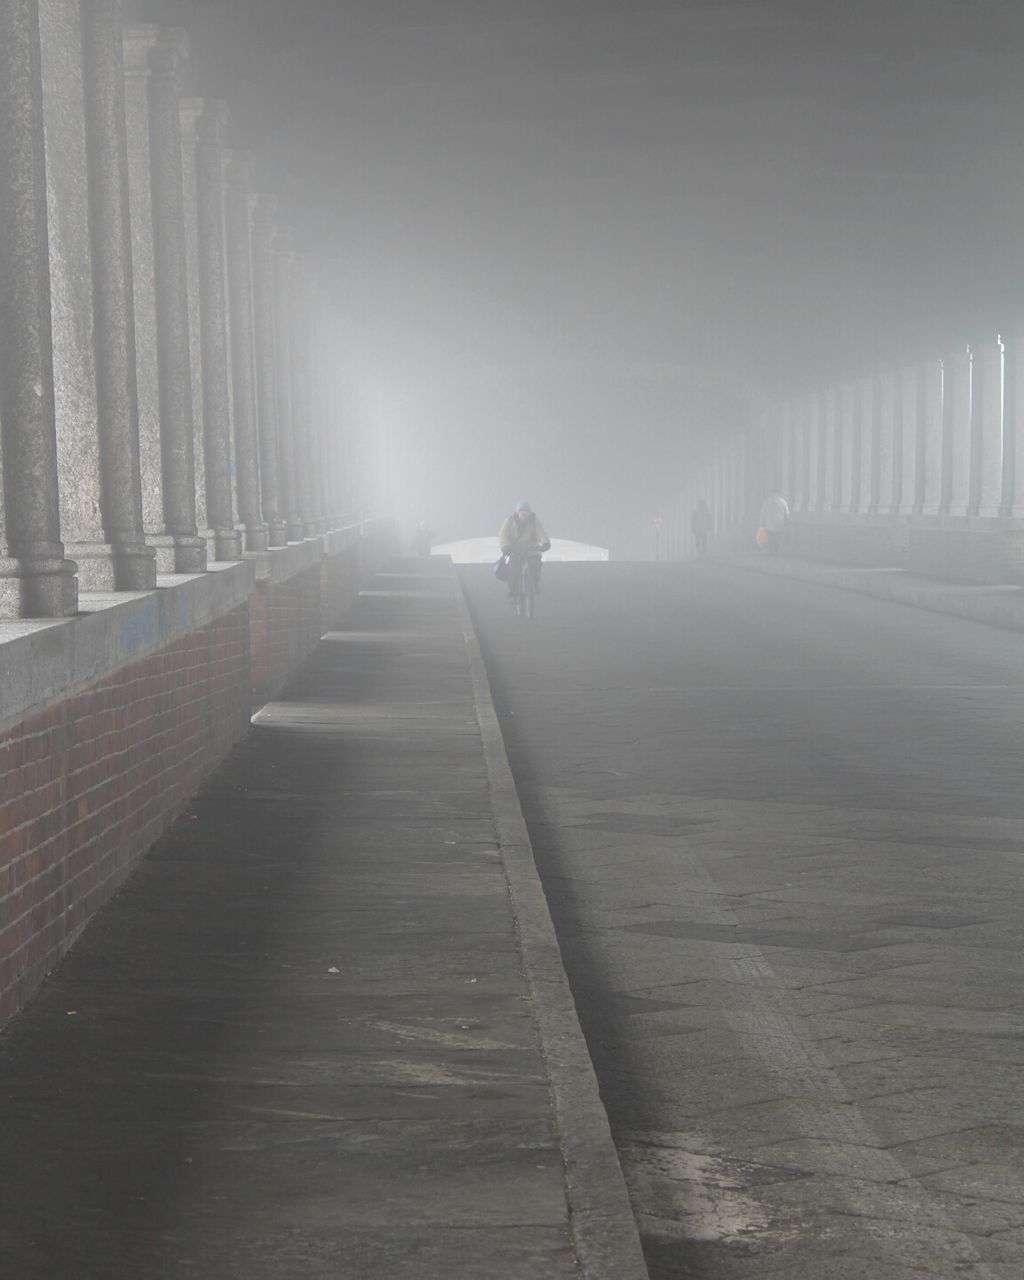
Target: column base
{"x": 38, "y": 587}
{"x": 278, "y": 533}
{"x": 255, "y": 537}
{"x": 295, "y": 531}
{"x": 178, "y": 553}
{"x": 223, "y": 544}
{"x": 112, "y": 566}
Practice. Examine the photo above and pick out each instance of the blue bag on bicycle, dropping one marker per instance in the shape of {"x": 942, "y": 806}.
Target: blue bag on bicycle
{"x": 501, "y": 568}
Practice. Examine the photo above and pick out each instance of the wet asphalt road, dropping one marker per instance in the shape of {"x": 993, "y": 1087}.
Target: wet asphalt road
{"x": 781, "y": 830}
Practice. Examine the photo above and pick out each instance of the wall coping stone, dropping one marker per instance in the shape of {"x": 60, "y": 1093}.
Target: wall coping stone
{"x": 952, "y": 524}
{"x": 44, "y": 661}
{"x": 278, "y": 564}
{"x": 338, "y": 540}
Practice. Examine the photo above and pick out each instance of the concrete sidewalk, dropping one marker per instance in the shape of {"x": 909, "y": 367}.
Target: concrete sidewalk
{"x": 324, "y": 1031}
{"x": 996, "y": 605}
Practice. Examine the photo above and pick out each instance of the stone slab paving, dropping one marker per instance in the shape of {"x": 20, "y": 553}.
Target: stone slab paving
{"x": 781, "y": 830}
{"x": 306, "y": 1041}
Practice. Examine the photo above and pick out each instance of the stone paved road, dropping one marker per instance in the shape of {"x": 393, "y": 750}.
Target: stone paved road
{"x": 781, "y": 829}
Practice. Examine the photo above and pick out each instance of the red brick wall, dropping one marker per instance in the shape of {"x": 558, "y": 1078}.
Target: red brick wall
{"x": 339, "y": 585}
{"x": 88, "y": 785}
{"x": 286, "y": 628}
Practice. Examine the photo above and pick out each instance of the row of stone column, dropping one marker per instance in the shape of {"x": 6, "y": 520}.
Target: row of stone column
{"x": 166, "y": 392}
{"x": 938, "y": 439}
{"x": 944, "y": 439}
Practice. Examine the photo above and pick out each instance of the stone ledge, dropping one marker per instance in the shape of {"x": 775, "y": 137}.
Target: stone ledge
{"x": 339, "y": 540}
{"x": 281, "y": 563}
{"x": 44, "y": 661}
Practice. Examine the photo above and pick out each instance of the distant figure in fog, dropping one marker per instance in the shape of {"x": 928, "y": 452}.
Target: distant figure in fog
{"x": 522, "y": 537}
{"x": 774, "y": 518}
{"x": 422, "y": 540}
{"x": 702, "y": 526}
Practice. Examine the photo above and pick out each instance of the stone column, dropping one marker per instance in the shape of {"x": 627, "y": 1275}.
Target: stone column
{"x": 315, "y": 423}
{"x": 36, "y": 581}
{"x": 335, "y": 428}
{"x": 933, "y": 394}
{"x": 957, "y": 434}
{"x": 987, "y": 498}
{"x": 134, "y": 563}
{"x": 812, "y": 417}
{"x": 190, "y": 112}
{"x": 216, "y": 360}
{"x": 336, "y": 438}
{"x": 263, "y": 236}
{"x": 784, "y": 420}
{"x": 831, "y": 452}
{"x": 283, "y": 263}
{"x": 299, "y": 334}
{"x": 889, "y": 444}
{"x": 867, "y": 433}
{"x": 849, "y": 429}
{"x": 318, "y": 410}
{"x": 153, "y": 62}
{"x": 247, "y": 463}
{"x": 800, "y": 453}
{"x": 911, "y": 426}
{"x": 99, "y": 487}
{"x": 1013, "y": 436}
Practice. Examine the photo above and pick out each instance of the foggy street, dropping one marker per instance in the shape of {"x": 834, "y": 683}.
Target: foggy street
{"x": 780, "y": 828}
{"x": 355, "y": 925}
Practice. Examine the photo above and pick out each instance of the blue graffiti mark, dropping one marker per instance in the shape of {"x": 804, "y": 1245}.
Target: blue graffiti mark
{"x": 139, "y": 631}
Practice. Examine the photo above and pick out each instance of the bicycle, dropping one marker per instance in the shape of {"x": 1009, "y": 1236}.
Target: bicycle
{"x": 523, "y": 592}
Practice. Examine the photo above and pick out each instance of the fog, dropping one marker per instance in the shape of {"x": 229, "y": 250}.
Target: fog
{"x": 568, "y": 238}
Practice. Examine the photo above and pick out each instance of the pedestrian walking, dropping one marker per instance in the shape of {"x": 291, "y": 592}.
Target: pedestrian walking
{"x": 422, "y": 539}
{"x": 701, "y": 526}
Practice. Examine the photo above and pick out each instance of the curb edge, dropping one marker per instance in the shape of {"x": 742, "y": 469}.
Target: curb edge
{"x": 604, "y": 1231}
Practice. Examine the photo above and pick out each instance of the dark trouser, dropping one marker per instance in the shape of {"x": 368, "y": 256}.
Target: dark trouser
{"x": 701, "y": 540}
{"x": 774, "y": 542}
{"x": 522, "y": 564}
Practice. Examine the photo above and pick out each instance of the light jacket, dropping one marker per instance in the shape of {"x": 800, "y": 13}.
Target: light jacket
{"x": 774, "y": 513}
{"x": 525, "y": 538}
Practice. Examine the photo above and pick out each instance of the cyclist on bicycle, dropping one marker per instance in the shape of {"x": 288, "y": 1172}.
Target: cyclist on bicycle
{"x": 523, "y": 540}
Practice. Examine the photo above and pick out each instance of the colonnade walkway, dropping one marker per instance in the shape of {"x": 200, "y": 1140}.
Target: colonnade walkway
{"x": 324, "y": 1030}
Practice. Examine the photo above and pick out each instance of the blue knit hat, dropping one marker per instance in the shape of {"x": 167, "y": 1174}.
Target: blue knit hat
{"x": 522, "y": 506}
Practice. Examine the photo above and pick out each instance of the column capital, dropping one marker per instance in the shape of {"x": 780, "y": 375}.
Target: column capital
{"x": 284, "y": 243}
{"x": 238, "y": 170}
{"x": 212, "y": 124}
{"x": 265, "y": 213}
{"x": 190, "y": 111}
{"x": 139, "y": 39}
{"x": 170, "y": 52}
